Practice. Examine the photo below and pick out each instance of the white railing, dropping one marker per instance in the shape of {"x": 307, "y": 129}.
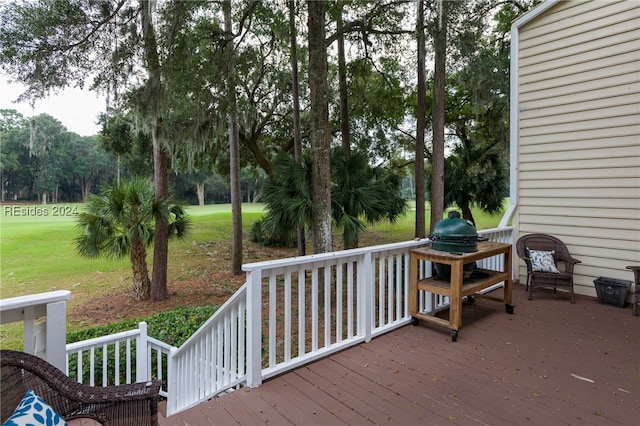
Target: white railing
{"x": 496, "y": 263}
{"x": 45, "y": 339}
{"x": 125, "y": 357}
{"x": 330, "y": 301}
{"x": 288, "y": 313}
{"x": 213, "y": 359}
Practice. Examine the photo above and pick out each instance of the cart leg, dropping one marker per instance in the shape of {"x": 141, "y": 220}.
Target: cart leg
{"x": 454, "y": 335}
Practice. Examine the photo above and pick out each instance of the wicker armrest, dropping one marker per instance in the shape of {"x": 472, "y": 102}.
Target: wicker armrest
{"x": 129, "y": 404}
{"x": 113, "y": 405}
{"x": 572, "y": 260}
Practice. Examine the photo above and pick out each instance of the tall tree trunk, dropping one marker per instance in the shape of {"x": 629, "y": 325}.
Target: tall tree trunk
{"x": 160, "y": 179}
{"x": 236, "y": 197}
{"x": 319, "y": 129}
{"x": 85, "y": 187}
{"x": 118, "y": 171}
{"x": 342, "y": 83}
{"x": 141, "y": 283}
{"x": 439, "y": 76}
{"x": 297, "y": 134}
{"x": 159, "y": 290}
{"x": 200, "y": 192}
{"x": 420, "y": 231}
{"x": 234, "y": 150}
{"x": 345, "y": 129}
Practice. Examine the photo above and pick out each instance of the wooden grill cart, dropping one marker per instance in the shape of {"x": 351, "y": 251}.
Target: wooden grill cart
{"x": 458, "y": 287}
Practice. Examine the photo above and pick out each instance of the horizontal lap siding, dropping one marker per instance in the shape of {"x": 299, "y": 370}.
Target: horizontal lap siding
{"x": 579, "y": 133}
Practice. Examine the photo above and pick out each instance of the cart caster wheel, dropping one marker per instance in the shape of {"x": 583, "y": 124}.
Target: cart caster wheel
{"x": 509, "y": 309}
{"x": 470, "y": 300}
{"x": 454, "y": 335}
{"x": 414, "y": 321}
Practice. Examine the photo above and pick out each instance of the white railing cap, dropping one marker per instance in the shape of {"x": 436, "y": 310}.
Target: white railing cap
{"x": 104, "y": 340}
{"x": 34, "y": 299}
{"x": 310, "y": 258}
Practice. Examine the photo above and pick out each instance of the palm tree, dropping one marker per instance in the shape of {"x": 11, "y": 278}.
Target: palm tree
{"x": 120, "y": 221}
{"x": 475, "y": 175}
{"x": 360, "y": 194}
{"x": 288, "y": 200}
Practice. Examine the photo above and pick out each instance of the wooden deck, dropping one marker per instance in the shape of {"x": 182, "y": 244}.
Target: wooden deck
{"x": 550, "y": 363}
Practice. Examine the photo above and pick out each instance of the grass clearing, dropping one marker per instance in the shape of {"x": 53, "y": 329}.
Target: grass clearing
{"x": 38, "y": 254}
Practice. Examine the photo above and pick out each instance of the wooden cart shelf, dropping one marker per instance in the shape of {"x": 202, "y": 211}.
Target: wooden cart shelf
{"x": 458, "y": 288}
{"x": 469, "y": 287}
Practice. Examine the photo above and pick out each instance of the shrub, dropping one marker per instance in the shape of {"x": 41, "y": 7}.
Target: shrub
{"x": 263, "y": 232}
{"x": 172, "y": 327}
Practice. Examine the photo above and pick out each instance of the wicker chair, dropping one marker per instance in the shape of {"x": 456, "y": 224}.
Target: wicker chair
{"x": 122, "y": 405}
{"x": 547, "y": 279}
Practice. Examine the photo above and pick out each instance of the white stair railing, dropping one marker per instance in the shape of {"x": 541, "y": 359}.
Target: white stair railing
{"x": 213, "y": 359}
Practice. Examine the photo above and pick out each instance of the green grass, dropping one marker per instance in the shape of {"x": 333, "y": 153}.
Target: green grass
{"x": 37, "y": 255}
{"x": 37, "y": 251}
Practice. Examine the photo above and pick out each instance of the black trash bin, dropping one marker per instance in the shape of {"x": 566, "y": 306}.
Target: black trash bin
{"x": 612, "y": 291}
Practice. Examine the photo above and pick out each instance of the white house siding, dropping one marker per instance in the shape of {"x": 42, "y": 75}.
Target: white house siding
{"x": 579, "y": 134}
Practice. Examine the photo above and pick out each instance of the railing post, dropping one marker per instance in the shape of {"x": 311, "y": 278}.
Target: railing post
{"x": 56, "y": 334}
{"x": 405, "y": 284}
{"x": 365, "y": 297}
{"x": 172, "y": 385}
{"x": 28, "y": 326}
{"x": 142, "y": 354}
{"x": 254, "y": 328}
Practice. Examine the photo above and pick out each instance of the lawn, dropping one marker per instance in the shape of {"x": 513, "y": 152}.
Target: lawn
{"x": 37, "y": 255}
{"x": 37, "y": 251}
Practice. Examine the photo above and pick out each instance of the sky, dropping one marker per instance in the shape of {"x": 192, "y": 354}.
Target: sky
{"x": 76, "y": 109}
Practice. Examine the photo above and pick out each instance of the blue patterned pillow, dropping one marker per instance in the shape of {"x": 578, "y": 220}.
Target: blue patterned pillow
{"x": 32, "y": 410}
{"x": 543, "y": 261}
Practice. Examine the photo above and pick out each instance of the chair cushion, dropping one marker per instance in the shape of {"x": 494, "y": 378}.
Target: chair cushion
{"x": 32, "y": 410}
{"x": 543, "y": 261}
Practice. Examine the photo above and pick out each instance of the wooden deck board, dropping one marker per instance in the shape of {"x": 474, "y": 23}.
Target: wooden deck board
{"x": 378, "y": 403}
{"x": 356, "y": 409}
{"x": 550, "y": 362}
{"x": 249, "y": 410}
{"x": 435, "y": 383}
{"x": 304, "y": 402}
